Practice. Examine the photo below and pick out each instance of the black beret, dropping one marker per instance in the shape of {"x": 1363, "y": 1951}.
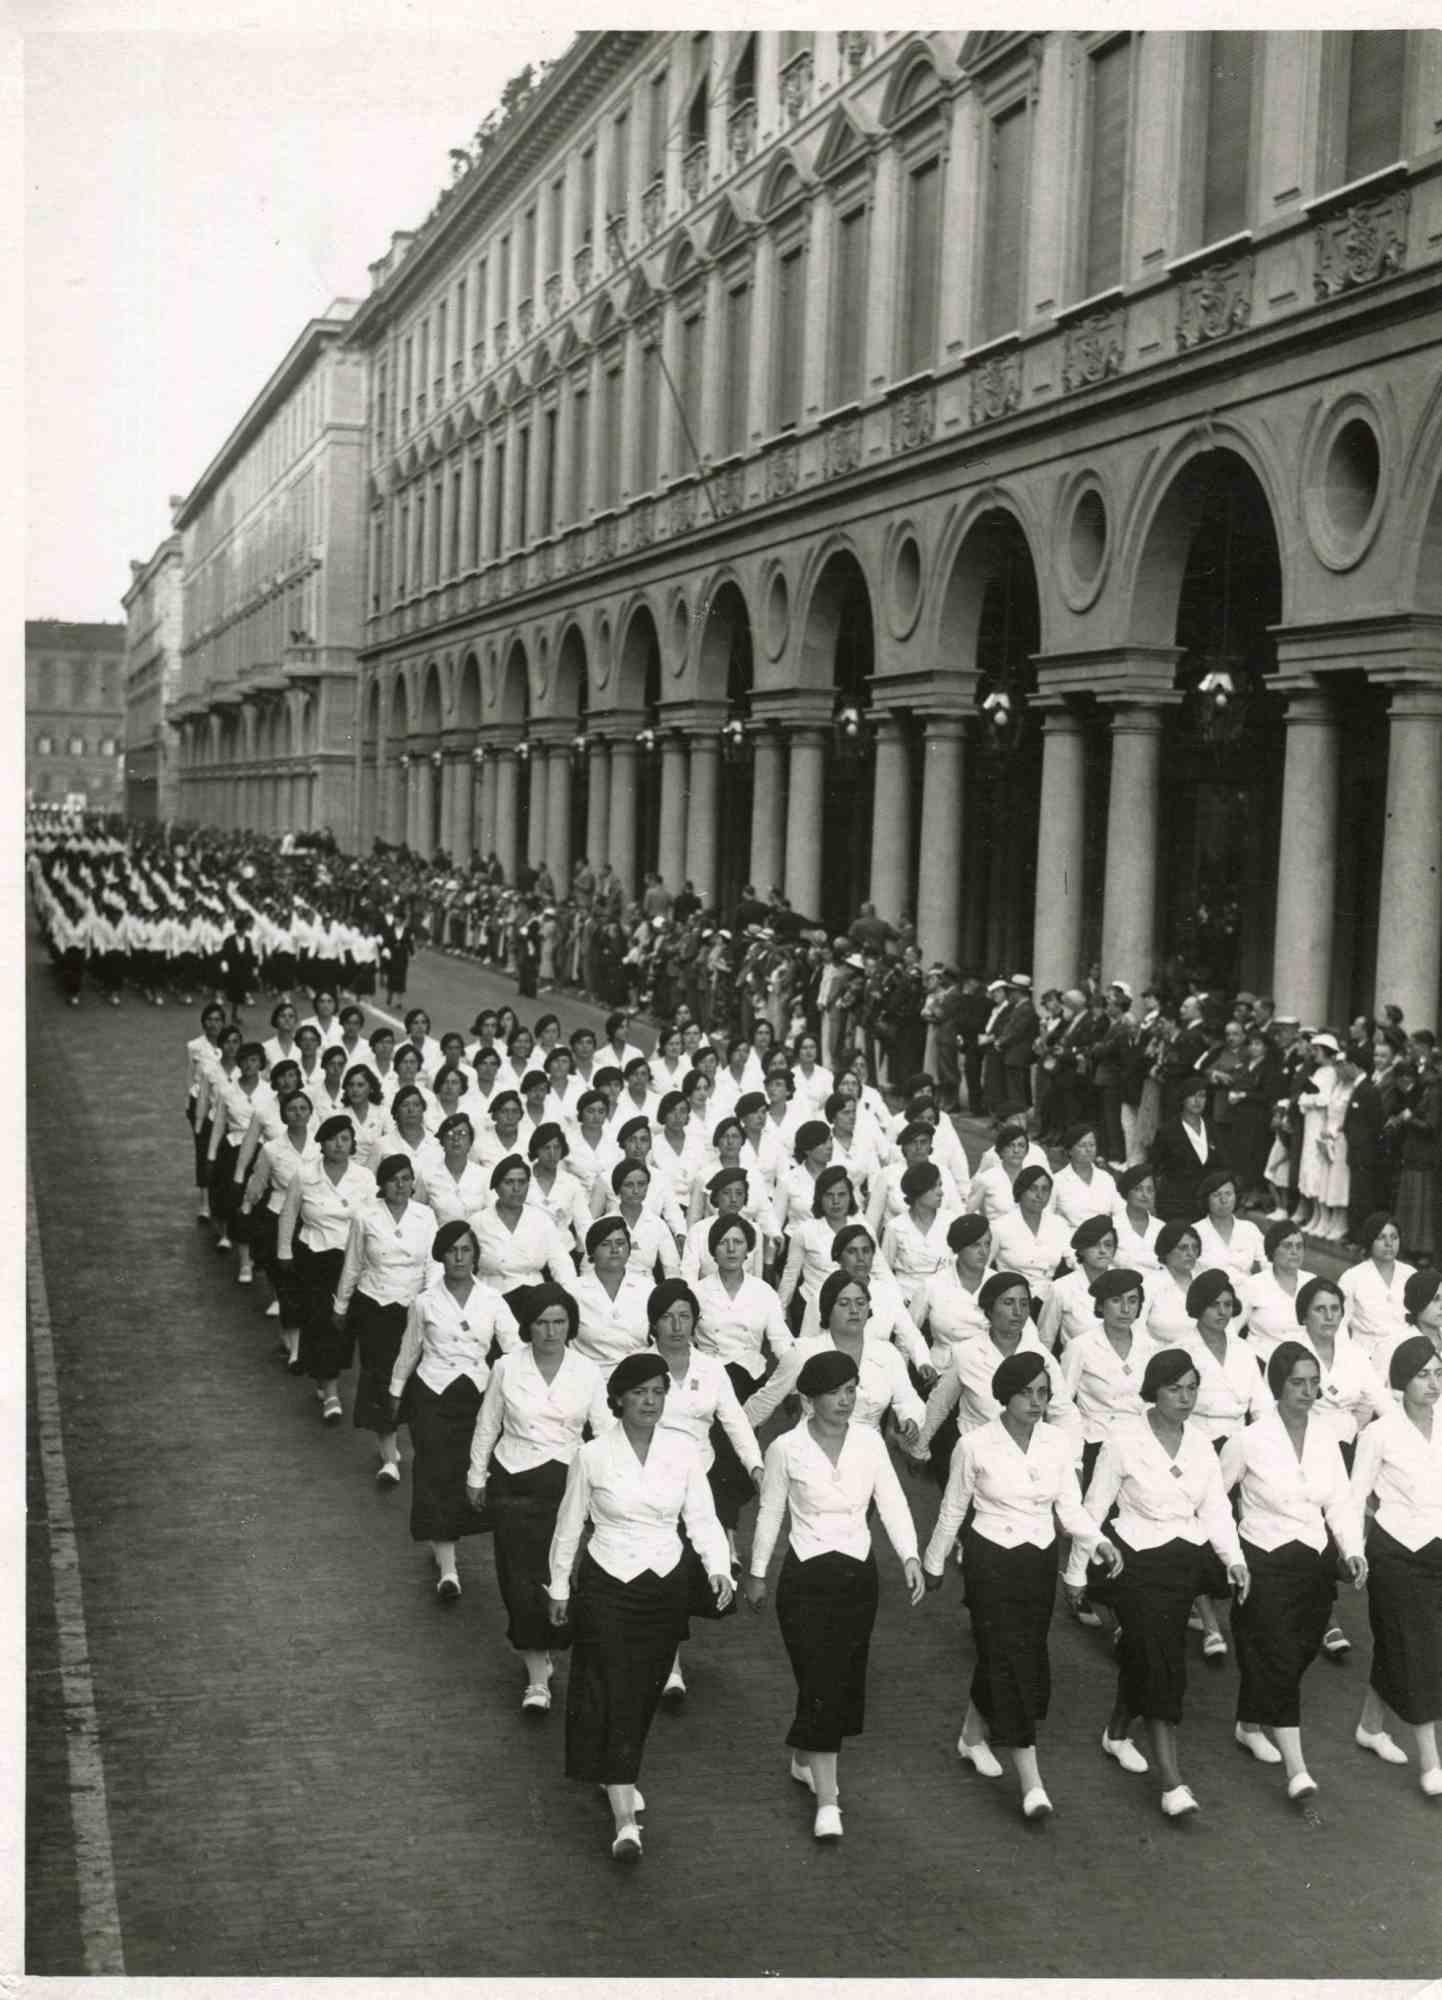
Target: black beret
{"x": 825, "y": 1372}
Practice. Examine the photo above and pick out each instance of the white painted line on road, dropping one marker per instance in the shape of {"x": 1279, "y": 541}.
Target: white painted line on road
{"x": 90, "y": 1816}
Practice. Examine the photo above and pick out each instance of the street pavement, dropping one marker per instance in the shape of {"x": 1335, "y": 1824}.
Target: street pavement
{"x": 312, "y": 1768}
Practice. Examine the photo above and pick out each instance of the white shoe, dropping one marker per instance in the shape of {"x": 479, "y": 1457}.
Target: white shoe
{"x": 981, "y": 1757}
{"x": 1431, "y": 1783}
{"x": 827, "y": 1824}
{"x": 1178, "y": 1801}
{"x": 1302, "y": 1786}
{"x": 802, "y": 1774}
{"x": 272, "y": 1311}
{"x": 388, "y": 1473}
{"x": 537, "y": 1699}
{"x": 245, "y": 1277}
{"x": 1259, "y": 1746}
{"x": 1036, "y": 1804}
{"x": 1380, "y": 1744}
{"x": 1125, "y": 1752}
{"x": 627, "y": 1844}
{"x": 448, "y": 1588}
{"x": 675, "y": 1688}
{"x": 1214, "y": 1647}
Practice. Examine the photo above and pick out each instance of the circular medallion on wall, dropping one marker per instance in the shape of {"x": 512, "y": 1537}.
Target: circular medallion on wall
{"x": 775, "y": 613}
{"x": 1081, "y": 540}
{"x": 904, "y": 590}
{"x": 1344, "y": 483}
{"x": 680, "y": 634}
{"x": 601, "y": 652}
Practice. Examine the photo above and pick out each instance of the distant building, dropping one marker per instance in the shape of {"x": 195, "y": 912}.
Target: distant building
{"x": 74, "y": 714}
{"x": 273, "y": 596}
{"x": 152, "y": 683}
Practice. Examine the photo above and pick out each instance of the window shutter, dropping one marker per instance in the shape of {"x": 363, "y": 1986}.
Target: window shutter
{"x": 1229, "y": 134}
{"x": 650, "y": 415}
{"x": 738, "y": 365}
{"x": 790, "y": 337}
{"x": 850, "y": 305}
{"x": 1375, "y": 87}
{"x": 1106, "y": 183}
{"x": 1005, "y": 223}
{"x": 923, "y": 251}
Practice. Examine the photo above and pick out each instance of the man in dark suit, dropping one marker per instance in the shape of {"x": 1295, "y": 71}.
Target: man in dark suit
{"x": 944, "y": 1007}
{"x": 972, "y": 1010}
{"x": 1014, "y": 1042}
{"x": 1186, "y": 1050}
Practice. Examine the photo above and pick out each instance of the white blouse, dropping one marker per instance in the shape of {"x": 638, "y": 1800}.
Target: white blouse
{"x": 1032, "y": 1254}
{"x": 327, "y": 1208}
{"x": 445, "y": 1339}
{"x": 886, "y": 1202}
{"x": 370, "y": 1135}
{"x": 883, "y": 1383}
{"x": 913, "y": 1256}
{"x": 1136, "y": 1252}
{"x": 1352, "y": 1392}
{"x": 527, "y": 1421}
{"x": 1159, "y": 1498}
{"x": 520, "y": 1256}
{"x": 1231, "y": 1392}
{"x": 829, "y": 1503}
{"x": 610, "y": 1328}
{"x": 733, "y": 1329}
{"x": 239, "y": 1105}
{"x": 991, "y": 1193}
{"x": 1103, "y": 1385}
{"x": 1240, "y": 1257}
{"x": 950, "y": 1312}
{"x": 1069, "y": 1312}
{"x": 1404, "y": 1469}
{"x": 387, "y": 1260}
{"x": 1270, "y": 1313}
{"x": 651, "y": 1242}
{"x": 965, "y": 1386}
{"x": 1165, "y": 1319}
{"x": 1289, "y": 1499}
{"x": 565, "y": 1203}
{"x": 701, "y": 1397}
{"x": 282, "y": 1164}
{"x": 1019, "y": 1496}
{"x": 697, "y": 1261}
{"x": 1375, "y": 1310}
{"x": 1074, "y": 1199}
{"x": 635, "y": 1507}
{"x": 456, "y": 1200}
{"x": 810, "y": 1259}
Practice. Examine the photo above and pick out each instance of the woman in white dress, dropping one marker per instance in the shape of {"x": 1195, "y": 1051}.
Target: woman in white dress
{"x": 993, "y": 1186}
{"x": 1313, "y": 1161}
{"x": 1137, "y": 1223}
{"x": 276, "y": 1166}
{"x": 949, "y": 1307}
{"x": 517, "y": 1244}
{"x": 914, "y": 1243}
{"x": 1070, "y": 1310}
{"x": 1082, "y": 1188}
{"x": 1228, "y": 1241}
{"x": 1165, "y": 1316}
{"x": 1104, "y": 1369}
{"x": 1374, "y": 1289}
{"x": 456, "y": 1187}
{"x": 1031, "y": 1238}
{"x": 387, "y": 1265}
{"x": 1269, "y": 1299}
{"x": 809, "y": 1256}
{"x": 408, "y": 1135}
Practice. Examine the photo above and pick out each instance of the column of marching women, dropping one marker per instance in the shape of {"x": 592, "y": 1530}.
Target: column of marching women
{"x": 581, "y": 1282}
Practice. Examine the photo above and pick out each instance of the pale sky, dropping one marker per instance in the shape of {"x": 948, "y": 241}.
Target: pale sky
{"x": 191, "y": 200}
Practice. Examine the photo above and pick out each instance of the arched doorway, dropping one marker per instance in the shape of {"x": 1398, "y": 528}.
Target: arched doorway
{"x": 727, "y": 672}
{"x": 991, "y": 624}
{"x": 840, "y": 653}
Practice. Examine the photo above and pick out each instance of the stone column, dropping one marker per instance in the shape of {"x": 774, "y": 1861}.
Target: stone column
{"x": 768, "y": 813}
{"x": 701, "y": 816}
{"x": 598, "y": 803}
{"x": 558, "y": 818}
{"x": 1056, "y": 939}
{"x": 536, "y": 818}
{"x": 673, "y": 858}
{"x": 483, "y": 797}
{"x": 450, "y": 789}
{"x": 1306, "y": 871}
{"x": 1129, "y": 942}
{"x": 425, "y": 779}
{"x": 1409, "y": 924}
{"x": 891, "y": 820}
{"x": 623, "y": 813}
{"x": 938, "y": 898}
{"x": 803, "y": 819}
{"x": 506, "y": 830}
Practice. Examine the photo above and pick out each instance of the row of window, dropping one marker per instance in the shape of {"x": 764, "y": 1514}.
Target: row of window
{"x": 293, "y": 428}
{"x": 76, "y": 746}
{"x": 54, "y": 684}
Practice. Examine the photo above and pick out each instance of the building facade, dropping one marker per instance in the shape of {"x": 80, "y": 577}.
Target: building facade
{"x": 152, "y": 683}
{"x": 74, "y": 714}
{"x": 272, "y": 595}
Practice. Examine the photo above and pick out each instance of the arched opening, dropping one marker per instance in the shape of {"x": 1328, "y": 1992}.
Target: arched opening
{"x": 991, "y": 624}
{"x": 1213, "y": 544}
{"x": 839, "y": 652}
{"x": 727, "y": 673}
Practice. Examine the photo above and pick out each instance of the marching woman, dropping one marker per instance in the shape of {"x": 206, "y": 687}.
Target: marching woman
{"x": 798, "y": 1192}
{"x": 1399, "y": 1461}
{"x": 1031, "y": 1239}
{"x": 234, "y": 1101}
{"x": 435, "y": 1387}
{"x": 1229, "y": 1242}
{"x": 203, "y": 1055}
{"x": 408, "y": 1134}
{"x": 1162, "y": 1478}
{"x": 1292, "y": 1486}
{"x": 1374, "y": 1288}
{"x": 320, "y": 1204}
{"x": 361, "y": 1097}
{"x": 827, "y": 1472}
{"x": 538, "y": 1401}
{"x": 701, "y": 1403}
{"x": 729, "y": 1192}
{"x": 610, "y": 1297}
{"x": 1082, "y": 1188}
{"x": 856, "y": 1255}
{"x": 386, "y": 1266}
{"x": 1165, "y": 1319}
{"x": 993, "y": 1188}
{"x": 1104, "y": 1368}
{"x": 457, "y": 1187}
{"x": 1010, "y": 1484}
{"x": 1270, "y": 1298}
{"x": 1070, "y": 1311}
{"x": 882, "y": 1381}
{"x": 448, "y": 1095}
{"x": 1137, "y": 1223}
{"x": 739, "y": 1315}
{"x": 629, "y": 1608}
{"x": 554, "y": 1190}
{"x": 810, "y": 1256}
{"x": 915, "y": 1243}
{"x": 653, "y": 1244}
{"x": 965, "y": 1383}
{"x": 276, "y": 1166}
{"x": 518, "y": 1244}
{"x": 950, "y": 1307}
{"x": 1230, "y": 1394}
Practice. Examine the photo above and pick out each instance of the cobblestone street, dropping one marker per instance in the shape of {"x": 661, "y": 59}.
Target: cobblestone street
{"x": 312, "y": 1769}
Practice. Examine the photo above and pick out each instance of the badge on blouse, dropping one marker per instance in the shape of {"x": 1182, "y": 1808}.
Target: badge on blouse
{"x": 465, "y": 1326}
{"x": 1033, "y": 1475}
{"x": 1176, "y": 1472}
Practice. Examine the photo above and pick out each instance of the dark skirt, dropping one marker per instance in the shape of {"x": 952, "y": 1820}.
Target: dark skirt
{"x": 325, "y": 1348}
{"x": 442, "y": 1427}
{"x": 224, "y": 1194}
{"x": 1010, "y": 1594}
{"x": 1153, "y": 1599}
{"x": 1278, "y": 1630}
{"x": 826, "y": 1609}
{"x": 730, "y": 1482}
{"x": 1404, "y": 1605}
{"x": 523, "y": 1508}
{"x": 265, "y": 1225}
{"x": 378, "y": 1331}
{"x": 624, "y": 1638}
{"x": 202, "y": 1149}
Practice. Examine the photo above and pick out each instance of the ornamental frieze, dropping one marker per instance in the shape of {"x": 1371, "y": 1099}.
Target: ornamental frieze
{"x": 1213, "y": 302}
{"x": 581, "y": 265}
{"x": 693, "y": 171}
{"x": 525, "y": 319}
{"x": 913, "y": 419}
{"x": 643, "y": 529}
{"x": 995, "y": 388}
{"x": 728, "y": 489}
{"x": 552, "y": 294}
{"x": 841, "y": 452}
{"x": 1093, "y": 348}
{"x": 783, "y": 471}
{"x": 1365, "y": 242}
{"x": 683, "y": 510}
{"x": 653, "y": 207}
{"x": 796, "y": 86}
